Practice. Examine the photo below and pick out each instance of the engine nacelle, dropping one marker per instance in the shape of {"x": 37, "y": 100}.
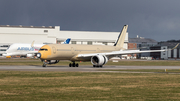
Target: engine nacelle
{"x": 30, "y": 55}
{"x": 52, "y": 61}
{"x": 99, "y": 60}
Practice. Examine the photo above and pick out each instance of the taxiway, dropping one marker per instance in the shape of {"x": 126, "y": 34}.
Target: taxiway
{"x": 81, "y": 68}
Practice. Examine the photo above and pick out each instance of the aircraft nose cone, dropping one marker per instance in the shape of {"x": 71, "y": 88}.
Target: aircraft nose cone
{"x": 4, "y": 55}
{"x": 38, "y": 55}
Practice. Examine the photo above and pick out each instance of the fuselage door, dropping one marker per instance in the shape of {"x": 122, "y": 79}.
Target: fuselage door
{"x": 54, "y": 50}
{"x": 98, "y": 50}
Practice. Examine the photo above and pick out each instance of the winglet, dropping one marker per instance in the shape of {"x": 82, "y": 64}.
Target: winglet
{"x": 32, "y": 45}
{"x": 175, "y": 47}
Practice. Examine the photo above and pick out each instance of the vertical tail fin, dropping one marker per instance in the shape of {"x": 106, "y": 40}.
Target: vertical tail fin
{"x": 67, "y": 41}
{"x": 121, "y": 37}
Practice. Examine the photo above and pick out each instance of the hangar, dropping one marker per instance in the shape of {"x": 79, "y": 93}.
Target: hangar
{"x": 53, "y": 34}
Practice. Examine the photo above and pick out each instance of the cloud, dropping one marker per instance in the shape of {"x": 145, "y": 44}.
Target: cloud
{"x": 147, "y": 18}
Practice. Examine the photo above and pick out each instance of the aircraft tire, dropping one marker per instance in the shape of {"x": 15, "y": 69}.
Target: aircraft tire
{"x": 77, "y": 65}
{"x": 44, "y": 65}
{"x": 70, "y": 65}
{"x": 73, "y": 65}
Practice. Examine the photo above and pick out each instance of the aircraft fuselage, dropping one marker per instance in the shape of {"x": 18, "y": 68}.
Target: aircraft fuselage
{"x": 70, "y": 51}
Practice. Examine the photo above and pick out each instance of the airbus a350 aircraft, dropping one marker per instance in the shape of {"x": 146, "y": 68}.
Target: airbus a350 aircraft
{"x": 97, "y": 54}
{"x": 25, "y": 49}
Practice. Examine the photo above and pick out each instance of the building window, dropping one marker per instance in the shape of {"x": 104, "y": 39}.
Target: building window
{"x": 73, "y": 42}
{"x": 89, "y": 42}
{"x": 105, "y": 43}
{"x": 2, "y": 49}
{"x": 144, "y": 42}
{"x": 5, "y": 46}
{"x": 45, "y": 31}
{"x": 59, "y": 42}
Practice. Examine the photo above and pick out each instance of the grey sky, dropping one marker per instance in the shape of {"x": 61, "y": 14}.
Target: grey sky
{"x": 156, "y": 19}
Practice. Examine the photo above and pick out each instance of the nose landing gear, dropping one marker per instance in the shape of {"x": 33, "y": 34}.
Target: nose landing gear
{"x": 44, "y": 64}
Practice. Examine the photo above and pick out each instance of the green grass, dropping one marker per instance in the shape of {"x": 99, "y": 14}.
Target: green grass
{"x": 146, "y": 63}
{"x": 65, "y": 86}
{"x": 66, "y": 63}
{"x": 146, "y": 70}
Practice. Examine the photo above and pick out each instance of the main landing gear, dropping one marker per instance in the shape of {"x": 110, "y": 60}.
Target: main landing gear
{"x": 73, "y": 64}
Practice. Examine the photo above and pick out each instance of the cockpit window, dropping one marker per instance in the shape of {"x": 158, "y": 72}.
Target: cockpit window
{"x": 43, "y": 49}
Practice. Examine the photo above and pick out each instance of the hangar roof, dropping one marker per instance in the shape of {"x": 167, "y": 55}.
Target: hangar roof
{"x": 141, "y": 40}
{"x": 169, "y": 44}
{"x": 20, "y": 26}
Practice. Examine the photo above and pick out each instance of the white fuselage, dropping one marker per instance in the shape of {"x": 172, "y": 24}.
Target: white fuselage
{"x": 21, "y": 49}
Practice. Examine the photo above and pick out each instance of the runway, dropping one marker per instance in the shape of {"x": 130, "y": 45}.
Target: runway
{"x": 81, "y": 68}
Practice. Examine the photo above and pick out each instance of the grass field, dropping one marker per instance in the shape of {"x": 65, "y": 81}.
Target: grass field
{"x": 146, "y": 70}
{"x": 66, "y": 63}
{"x": 53, "y": 86}
{"x": 65, "y": 86}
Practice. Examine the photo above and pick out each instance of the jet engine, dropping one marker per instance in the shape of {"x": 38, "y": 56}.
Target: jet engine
{"x": 99, "y": 60}
{"x": 30, "y": 55}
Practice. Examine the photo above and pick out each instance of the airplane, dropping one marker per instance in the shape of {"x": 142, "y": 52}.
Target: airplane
{"x": 27, "y": 50}
{"x": 97, "y": 54}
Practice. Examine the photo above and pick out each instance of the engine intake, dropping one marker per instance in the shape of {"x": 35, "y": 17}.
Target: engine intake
{"x": 99, "y": 60}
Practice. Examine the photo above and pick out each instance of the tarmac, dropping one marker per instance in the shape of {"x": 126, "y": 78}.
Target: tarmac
{"x": 83, "y": 68}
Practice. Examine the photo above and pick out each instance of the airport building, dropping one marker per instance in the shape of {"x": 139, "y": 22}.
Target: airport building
{"x": 44, "y": 35}
{"x": 142, "y": 43}
{"x": 169, "y": 54}
{"x": 149, "y": 44}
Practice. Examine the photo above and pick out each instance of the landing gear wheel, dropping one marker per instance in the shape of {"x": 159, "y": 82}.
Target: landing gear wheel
{"x": 70, "y": 65}
{"x": 73, "y": 65}
{"x": 77, "y": 65}
{"x": 44, "y": 65}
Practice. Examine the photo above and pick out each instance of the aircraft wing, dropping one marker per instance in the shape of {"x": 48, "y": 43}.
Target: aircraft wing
{"x": 123, "y": 52}
{"x": 36, "y": 48}
{"x": 114, "y": 53}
